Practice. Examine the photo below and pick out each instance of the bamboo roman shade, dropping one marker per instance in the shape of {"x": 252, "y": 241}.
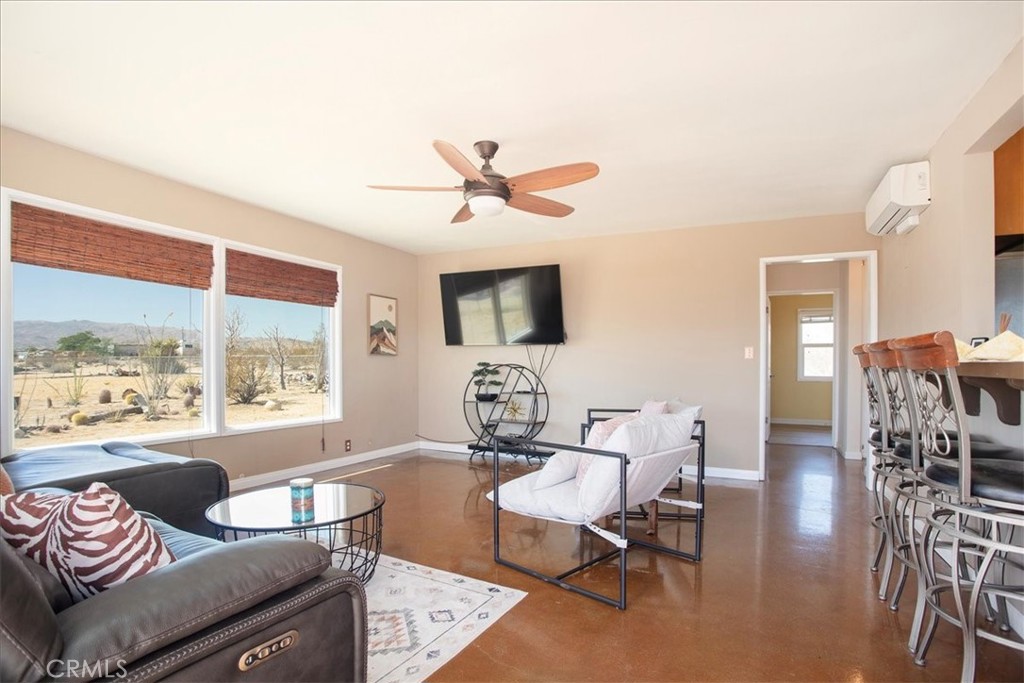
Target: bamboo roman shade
{"x": 43, "y": 237}
{"x": 263, "y": 277}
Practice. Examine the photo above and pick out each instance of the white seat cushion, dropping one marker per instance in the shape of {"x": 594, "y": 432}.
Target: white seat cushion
{"x": 558, "y": 502}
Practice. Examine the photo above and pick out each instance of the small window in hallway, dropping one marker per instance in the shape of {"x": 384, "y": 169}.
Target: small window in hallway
{"x": 815, "y": 348}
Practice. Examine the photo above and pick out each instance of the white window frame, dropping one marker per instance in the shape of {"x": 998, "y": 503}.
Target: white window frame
{"x": 213, "y": 327}
{"x": 800, "y": 345}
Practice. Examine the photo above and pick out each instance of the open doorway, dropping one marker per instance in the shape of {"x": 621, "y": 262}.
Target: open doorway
{"x": 801, "y": 367}
{"x": 852, "y": 280}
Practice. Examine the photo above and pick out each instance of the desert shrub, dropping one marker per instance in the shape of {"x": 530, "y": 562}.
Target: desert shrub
{"x": 157, "y": 361}
{"x": 104, "y": 396}
{"x": 157, "y": 372}
{"x": 191, "y": 386}
{"x": 247, "y": 378}
{"x": 73, "y": 390}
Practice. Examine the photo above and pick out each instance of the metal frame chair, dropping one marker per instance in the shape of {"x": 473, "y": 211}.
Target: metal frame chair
{"x": 618, "y": 538}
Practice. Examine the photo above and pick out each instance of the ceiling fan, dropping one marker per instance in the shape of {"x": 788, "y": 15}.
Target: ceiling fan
{"x": 487, "y": 192}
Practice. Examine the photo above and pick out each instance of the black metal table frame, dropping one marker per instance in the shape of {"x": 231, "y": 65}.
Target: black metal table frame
{"x": 361, "y": 534}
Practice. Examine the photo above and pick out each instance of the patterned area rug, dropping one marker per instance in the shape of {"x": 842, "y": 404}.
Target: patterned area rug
{"x": 419, "y": 618}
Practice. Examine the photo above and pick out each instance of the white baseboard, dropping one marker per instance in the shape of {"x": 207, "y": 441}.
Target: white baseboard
{"x": 801, "y": 421}
{"x": 444, "y": 450}
{"x": 312, "y": 468}
{"x": 852, "y": 455}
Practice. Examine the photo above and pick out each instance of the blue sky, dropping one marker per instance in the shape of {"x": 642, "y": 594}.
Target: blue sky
{"x": 56, "y": 295}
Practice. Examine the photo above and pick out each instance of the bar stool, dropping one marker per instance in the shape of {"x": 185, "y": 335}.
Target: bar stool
{"x": 876, "y": 440}
{"x": 882, "y": 465}
{"x": 976, "y": 515}
{"x": 897, "y": 475}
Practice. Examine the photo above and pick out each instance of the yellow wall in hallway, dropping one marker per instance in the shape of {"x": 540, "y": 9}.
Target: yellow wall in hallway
{"x": 791, "y": 398}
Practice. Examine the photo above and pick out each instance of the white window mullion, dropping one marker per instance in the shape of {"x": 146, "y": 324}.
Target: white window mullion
{"x": 214, "y": 362}
{"x": 6, "y": 327}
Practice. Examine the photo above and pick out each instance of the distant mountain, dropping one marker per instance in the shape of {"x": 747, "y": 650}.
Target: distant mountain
{"x": 382, "y": 338}
{"x": 43, "y": 334}
{"x": 382, "y": 325}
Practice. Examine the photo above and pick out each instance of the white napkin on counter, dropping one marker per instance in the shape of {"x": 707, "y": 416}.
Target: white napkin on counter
{"x": 1006, "y": 347}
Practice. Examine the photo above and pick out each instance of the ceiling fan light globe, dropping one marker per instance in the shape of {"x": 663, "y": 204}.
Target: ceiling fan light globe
{"x": 486, "y": 205}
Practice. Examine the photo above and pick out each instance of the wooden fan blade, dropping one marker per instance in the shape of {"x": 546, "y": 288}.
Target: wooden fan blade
{"x": 463, "y": 214}
{"x": 457, "y": 161}
{"x": 416, "y": 188}
{"x": 550, "y": 178}
{"x": 539, "y": 205}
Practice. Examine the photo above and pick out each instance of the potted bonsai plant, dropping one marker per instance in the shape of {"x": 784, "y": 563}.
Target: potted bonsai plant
{"x": 483, "y": 378}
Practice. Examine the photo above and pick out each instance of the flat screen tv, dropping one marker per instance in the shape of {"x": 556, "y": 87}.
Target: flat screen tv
{"x": 506, "y": 306}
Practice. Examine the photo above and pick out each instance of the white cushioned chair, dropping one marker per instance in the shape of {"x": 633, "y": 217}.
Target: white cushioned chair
{"x": 633, "y": 468}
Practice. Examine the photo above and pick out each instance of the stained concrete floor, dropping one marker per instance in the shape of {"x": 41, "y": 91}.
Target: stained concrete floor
{"x": 783, "y": 591}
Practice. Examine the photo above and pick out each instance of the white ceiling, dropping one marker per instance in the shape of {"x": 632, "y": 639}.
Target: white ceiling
{"x": 697, "y": 113}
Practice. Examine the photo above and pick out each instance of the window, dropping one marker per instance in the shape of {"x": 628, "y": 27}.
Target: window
{"x": 100, "y": 357}
{"x": 276, "y": 346}
{"x": 816, "y": 337}
{"x": 112, "y": 334}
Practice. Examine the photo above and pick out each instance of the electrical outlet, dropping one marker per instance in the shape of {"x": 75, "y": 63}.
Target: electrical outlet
{"x": 348, "y": 445}
{"x": 748, "y": 352}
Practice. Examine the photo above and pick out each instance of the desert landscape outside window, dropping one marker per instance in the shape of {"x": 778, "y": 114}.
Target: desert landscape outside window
{"x": 126, "y": 365}
{"x": 276, "y": 358}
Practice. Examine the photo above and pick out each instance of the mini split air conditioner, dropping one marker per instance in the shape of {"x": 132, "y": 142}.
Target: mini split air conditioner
{"x": 903, "y": 194}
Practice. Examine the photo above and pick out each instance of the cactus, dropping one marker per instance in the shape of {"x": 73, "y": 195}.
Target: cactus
{"x": 79, "y": 419}
{"x": 193, "y": 412}
{"x": 129, "y": 399}
{"x": 105, "y": 396}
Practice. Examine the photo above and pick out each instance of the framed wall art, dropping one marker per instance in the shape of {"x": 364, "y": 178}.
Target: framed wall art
{"x": 383, "y": 324}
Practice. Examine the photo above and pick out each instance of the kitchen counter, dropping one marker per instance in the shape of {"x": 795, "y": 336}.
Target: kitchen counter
{"x": 1002, "y": 380}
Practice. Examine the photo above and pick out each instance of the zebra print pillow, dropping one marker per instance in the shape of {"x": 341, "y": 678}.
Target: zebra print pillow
{"x": 90, "y": 541}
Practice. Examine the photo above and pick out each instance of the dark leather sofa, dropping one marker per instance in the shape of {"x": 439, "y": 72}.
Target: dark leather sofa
{"x": 263, "y": 609}
{"x": 269, "y": 608}
{"x": 176, "y": 489}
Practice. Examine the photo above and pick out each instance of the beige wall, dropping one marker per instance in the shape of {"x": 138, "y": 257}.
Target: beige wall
{"x": 941, "y": 276}
{"x": 648, "y": 315}
{"x": 793, "y": 400}
{"x": 380, "y": 393}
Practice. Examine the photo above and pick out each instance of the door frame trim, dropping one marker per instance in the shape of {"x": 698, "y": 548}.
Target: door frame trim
{"x": 870, "y": 258}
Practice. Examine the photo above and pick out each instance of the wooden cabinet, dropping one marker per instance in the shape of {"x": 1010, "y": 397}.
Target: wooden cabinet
{"x": 1008, "y": 171}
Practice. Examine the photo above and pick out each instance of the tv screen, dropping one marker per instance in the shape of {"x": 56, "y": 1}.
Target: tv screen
{"x": 507, "y": 306}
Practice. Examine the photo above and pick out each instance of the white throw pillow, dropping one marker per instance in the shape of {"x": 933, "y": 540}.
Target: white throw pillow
{"x": 560, "y": 467}
{"x": 676, "y": 406}
{"x": 598, "y": 435}
{"x": 645, "y": 435}
{"x": 654, "y": 408}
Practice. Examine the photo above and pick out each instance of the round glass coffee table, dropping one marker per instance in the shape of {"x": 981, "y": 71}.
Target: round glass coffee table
{"x": 347, "y": 520}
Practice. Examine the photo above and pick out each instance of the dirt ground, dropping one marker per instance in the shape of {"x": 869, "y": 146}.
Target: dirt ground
{"x": 44, "y": 408}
